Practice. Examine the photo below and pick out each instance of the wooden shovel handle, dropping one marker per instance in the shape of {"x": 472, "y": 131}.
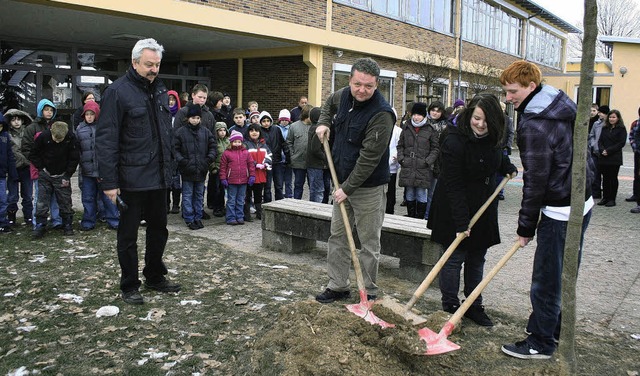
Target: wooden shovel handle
{"x": 345, "y": 219}
{"x": 452, "y": 247}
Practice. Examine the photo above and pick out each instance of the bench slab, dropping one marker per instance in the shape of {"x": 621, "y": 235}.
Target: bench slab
{"x": 294, "y": 226}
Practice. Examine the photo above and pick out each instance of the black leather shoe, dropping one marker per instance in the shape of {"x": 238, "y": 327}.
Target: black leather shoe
{"x": 476, "y": 314}
{"x": 603, "y": 202}
{"x": 330, "y": 296}
{"x": 610, "y": 203}
{"x": 164, "y": 286}
{"x": 631, "y": 199}
{"x": 132, "y": 297}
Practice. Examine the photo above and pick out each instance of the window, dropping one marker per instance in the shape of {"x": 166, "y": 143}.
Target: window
{"x": 489, "y": 26}
{"x": 543, "y": 47}
{"x": 430, "y": 14}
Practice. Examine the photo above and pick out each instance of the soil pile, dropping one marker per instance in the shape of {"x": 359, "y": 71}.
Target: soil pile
{"x": 309, "y": 338}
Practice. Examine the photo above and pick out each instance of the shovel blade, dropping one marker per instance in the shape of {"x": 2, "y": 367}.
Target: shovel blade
{"x": 363, "y": 309}
{"x": 437, "y": 343}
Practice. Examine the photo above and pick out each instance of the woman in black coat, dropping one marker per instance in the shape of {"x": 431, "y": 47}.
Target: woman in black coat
{"x": 471, "y": 155}
{"x": 610, "y": 144}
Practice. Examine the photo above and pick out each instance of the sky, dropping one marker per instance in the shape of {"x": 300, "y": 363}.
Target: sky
{"x": 571, "y": 11}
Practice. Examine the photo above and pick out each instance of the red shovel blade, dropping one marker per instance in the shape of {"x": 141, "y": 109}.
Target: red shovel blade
{"x": 363, "y": 309}
{"x": 438, "y": 343}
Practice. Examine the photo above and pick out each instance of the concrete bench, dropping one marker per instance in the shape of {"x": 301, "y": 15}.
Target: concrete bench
{"x": 294, "y": 226}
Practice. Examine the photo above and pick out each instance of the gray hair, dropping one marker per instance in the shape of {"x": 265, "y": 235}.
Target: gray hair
{"x": 148, "y": 44}
{"x": 366, "y": 65}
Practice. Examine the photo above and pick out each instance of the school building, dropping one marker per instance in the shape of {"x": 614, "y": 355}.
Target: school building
{"x": 273, "y": 51}
{"x": 615, "y": 80}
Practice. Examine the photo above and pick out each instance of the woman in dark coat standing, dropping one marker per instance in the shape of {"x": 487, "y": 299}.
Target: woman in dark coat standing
{"x": 471, "y": 155}
{"x": 610, "y": 144}
{"x": 417, "y": 152}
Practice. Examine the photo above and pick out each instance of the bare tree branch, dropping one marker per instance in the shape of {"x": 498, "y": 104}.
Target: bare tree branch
{"x": 619, "y": 18}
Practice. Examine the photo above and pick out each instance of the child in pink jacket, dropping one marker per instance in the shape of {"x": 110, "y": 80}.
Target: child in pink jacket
{"x": 237, "y": 169}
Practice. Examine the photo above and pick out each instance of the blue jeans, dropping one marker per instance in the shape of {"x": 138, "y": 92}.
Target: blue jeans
{"x": 275, "y": 175}
{"x": 235, "y": 202}
{"x": 316, "y": 184}
{"x": 288, "y": 177}
{"x": 300, "y": 175}
{"x": 91, "y": 196}
{"x": 192, "y": 200}
{"x": 4, "y": 222}
{"x": 473, "y": 260}
{"x": 416, "y": 194}
{"x": 25, "y": 186}
{"x": 54, "y": 210}
{"x": 546, "y": 282}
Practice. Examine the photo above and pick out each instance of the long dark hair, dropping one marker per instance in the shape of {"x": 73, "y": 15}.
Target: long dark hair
{"x": 620, "y": 122}
{"x": 490, "y": 105}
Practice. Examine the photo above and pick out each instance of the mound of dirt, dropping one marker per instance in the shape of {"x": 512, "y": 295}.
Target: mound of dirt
{"x": 314, "y": 339}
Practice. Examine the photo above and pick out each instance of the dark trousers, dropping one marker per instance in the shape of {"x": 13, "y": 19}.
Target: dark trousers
{"x": 596, "y": 186}
{"x": 473, "y": 261}
{"x": 609, "y": 181}
{"x": 546, "y": 281}
{"x": 49, "y": 186}
{"x": 217, "y": 197}
{"x": 154, "y": 204}
{"x": 391, "y": 194}
{"x": 636, "y": 176}
{"x": 24, "y": 186}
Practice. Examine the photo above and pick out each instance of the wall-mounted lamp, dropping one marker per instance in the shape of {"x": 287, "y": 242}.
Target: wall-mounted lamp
{"x": 623, "y": 71}
{"x": 339, "y": 53}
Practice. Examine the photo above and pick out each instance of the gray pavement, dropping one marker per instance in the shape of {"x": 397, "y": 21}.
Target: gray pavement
{"x": 608, "y": 289}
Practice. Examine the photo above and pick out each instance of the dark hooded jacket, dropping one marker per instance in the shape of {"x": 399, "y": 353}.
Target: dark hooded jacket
{"x": 545, "y": 142}
{"x": 59, "y": 158}
{"x": 17, "y": 136}
{"x": 195, "y": 150}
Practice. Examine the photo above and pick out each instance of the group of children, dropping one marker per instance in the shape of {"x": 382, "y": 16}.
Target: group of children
{"x": 39, "y": 157}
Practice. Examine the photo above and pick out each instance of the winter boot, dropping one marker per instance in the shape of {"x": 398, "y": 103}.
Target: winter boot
{"x": 411, "y": 209}
{"x": 67, "y": 225}
{"x": 421, "y": 209}
{"x": 176, "y": 201}
{"x": 11, "y": 216}
{"x": 247, "y": 212}
{"x": 259, "y": 211}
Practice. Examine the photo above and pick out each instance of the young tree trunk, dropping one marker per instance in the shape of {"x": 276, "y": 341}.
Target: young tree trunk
{"x": 566, "y": 351}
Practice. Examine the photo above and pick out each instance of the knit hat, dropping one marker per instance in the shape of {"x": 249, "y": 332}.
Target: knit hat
{"x": 235, "y": 135}
{"x": 314, "y": 115}
{"x": 284, "y": 115}
{"x": 253, "y": 113}
{"x": 91, "y": 106}
{"x": 419, "y": 108}
{"x": 193, "y": 110}
{"x": 264, "y": 114}
{"x": 458, "y": 103}
{"x": 604, "y": 109}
